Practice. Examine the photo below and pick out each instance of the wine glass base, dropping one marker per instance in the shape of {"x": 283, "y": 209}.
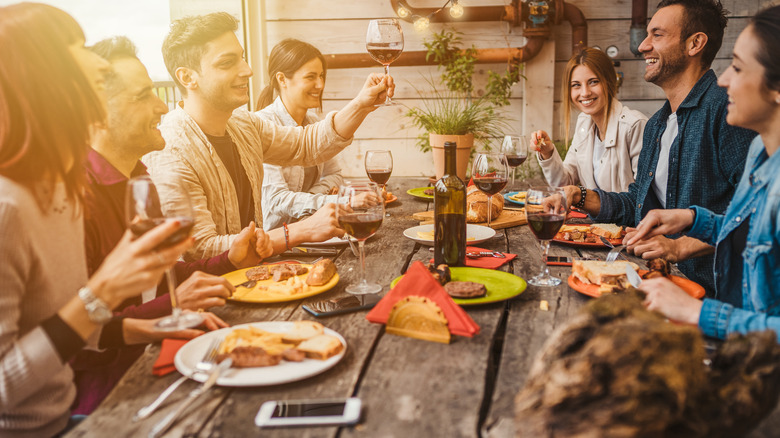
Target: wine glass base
{"x": 184, "y": 321}
{"x": 364, "y": 288}
{"x": 544, "y": 280}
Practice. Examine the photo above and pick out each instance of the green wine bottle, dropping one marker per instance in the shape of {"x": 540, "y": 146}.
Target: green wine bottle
{"x": 449, "y": 206}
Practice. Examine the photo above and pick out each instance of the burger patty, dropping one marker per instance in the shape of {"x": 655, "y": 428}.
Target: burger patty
{"x": 465, "y": 289}
{"x": 258, "y": 273}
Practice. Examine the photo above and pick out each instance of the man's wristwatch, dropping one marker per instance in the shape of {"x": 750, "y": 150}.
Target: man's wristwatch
{"x": 583, "y": 192}
{"x": 97, "y": 309}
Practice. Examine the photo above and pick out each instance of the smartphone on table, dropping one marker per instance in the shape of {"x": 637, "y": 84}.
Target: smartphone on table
{"x": 558, "y": 261}
{"x": 338, "y": 306}
{"x": 324, "y": 412}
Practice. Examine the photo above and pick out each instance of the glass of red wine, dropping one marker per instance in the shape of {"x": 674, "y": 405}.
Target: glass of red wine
{"x": 360, "y": 212}
{"x": 489, "y": 174}
{"x": 385, "y": 42}
{"x": 545, "y": 209}
{"x": 379, "y": 166}
{"x": 515, "y": 147}
{"x": 144, "y": 212}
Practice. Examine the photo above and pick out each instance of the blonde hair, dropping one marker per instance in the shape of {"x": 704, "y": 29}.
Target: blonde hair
{"x": 601, "y": 65}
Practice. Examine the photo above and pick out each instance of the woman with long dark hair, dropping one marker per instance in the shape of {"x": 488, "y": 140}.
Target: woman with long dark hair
{"x": 297, "y": 74}
{"x": 49, "y": 87}
{"x": 747, "y": 236}
{"x": 604, "y": 151}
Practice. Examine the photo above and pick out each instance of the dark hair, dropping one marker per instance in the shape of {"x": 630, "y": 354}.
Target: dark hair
{"x": 706, "y": 16}
{"x": 47, "y": 103}
{"x": 287, "y": 57}
{"x": 602, "y": 67}
{"x": 186, "y": 42}
{"x": 112, "y": 49}
{"x": 766, "y": 27}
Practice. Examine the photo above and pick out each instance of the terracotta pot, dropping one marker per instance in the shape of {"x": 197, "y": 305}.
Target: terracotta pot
{"x": 465, "y": 143}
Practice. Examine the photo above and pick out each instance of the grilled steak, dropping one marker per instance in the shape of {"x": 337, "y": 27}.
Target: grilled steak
{"x": 465, "y": 289}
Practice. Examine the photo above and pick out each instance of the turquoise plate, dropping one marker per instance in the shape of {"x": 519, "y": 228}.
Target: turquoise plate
{"x": 500, "y": 285}
{"x": 510, "y": 200}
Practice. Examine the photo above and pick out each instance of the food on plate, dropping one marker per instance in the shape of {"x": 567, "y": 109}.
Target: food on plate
{"x": 292, "y": 286}
{"x": 476, "y": 206}
{"x": 590, "y": 233}
{"x": 428, "y": 192}
{"x": 519, "y": 197}
{"x": 658, "y": 268}
{"x": 465, "y": 289}
{"x": 610, "y": 277}
{"x": 255, "y": 347}
{"x": 321, "y": 347}
{"x": 321, "y": 273}
{"x": 303, "y": 330}
{"x": 441, "y": 273}
{"x": 258, "y": 273}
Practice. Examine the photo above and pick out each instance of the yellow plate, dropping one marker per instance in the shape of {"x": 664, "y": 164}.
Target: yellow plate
{"x": 255, "y": 295}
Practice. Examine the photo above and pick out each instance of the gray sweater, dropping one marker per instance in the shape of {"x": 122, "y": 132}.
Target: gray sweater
{"x": 42, "y": 266}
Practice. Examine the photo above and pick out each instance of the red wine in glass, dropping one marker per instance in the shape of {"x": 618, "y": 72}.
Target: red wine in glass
{"x": 383, "y": 53}
{"x": 361, "y": 226}
{"x": 141, "y": 226}
{"x": 385, "y": 42}
{"x": 545, "y": 225}
{"x": 379, "y": 176}
{"x": 490, "y": 185}
{"x": 515, "y": 160}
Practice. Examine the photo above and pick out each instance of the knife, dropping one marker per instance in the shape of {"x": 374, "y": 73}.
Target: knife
{"x": 633, "y": 277}
{"x": 298, "y": 250}
{"x": 163, "y": 425}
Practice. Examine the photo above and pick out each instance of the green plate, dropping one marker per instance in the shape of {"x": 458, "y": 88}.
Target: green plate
{"x": 418, "y": 192}
{"x": 500, "y": 285}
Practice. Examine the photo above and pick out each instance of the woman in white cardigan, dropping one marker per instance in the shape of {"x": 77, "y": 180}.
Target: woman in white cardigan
{"x": 49, "y": 309}
{"x": 608, "y": 136}
{"x": 297, "y": 73}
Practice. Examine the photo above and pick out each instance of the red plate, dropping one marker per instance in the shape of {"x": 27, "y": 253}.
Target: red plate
{"x": 690, "y": 287}
{"x": 589, "y": 244}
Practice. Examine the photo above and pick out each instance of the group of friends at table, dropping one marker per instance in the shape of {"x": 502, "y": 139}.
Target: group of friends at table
{"x": 697, "y": 183}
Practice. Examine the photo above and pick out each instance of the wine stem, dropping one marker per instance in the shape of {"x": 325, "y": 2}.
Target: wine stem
{"x": 513, "y": 179}
{"x": 545, "y": 269}
{"x": 387, "y": 73}
{"x": 170, "y": 277}
{"x": 489, "y": 209}
{"x": 362, "y": 263}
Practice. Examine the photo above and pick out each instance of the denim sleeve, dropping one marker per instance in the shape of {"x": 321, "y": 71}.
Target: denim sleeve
{"x": 617, "y": 207}
{"x": 707, "y": 225}
{"x": 719, "y": 319}
{"x": 733, "y": 144}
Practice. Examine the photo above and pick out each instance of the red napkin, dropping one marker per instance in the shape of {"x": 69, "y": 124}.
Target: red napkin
{"x": 419, "y": 282}
{"x": 164, "y": 363}
{"x": 574, "y": 214}
{"x": 486, "y": 262}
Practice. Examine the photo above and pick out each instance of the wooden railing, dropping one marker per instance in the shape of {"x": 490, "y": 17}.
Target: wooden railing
{"x": 168, "y": 92}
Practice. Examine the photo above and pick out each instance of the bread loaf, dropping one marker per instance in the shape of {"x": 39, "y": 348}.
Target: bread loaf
{"x": 321, "y": 347}
{"x": 476, "y": 206}
{"x": 610, "y": 231}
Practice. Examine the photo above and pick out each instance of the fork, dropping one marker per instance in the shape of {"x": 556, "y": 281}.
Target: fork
{"x": 614, "y": 252}
{"x": 205, "y": 365}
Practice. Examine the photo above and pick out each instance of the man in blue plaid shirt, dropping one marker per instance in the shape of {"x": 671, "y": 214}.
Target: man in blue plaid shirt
{"x": 690, "y": 155}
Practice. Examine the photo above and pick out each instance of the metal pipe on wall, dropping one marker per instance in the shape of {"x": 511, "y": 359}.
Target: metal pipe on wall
{"x": 638, "y": 31}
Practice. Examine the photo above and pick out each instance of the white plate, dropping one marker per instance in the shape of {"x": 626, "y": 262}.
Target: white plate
{"x": 333, "y": 241}
{"x": 192, "y": 352}
{"x": 479, "y": 233}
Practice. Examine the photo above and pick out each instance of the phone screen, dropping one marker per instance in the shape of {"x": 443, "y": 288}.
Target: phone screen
{"x": 558, "y": 261}
{"x": 306, "y": 409}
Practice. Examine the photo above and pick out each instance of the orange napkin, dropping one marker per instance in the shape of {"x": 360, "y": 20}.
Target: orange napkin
{"x": 419, "y": 282}
{"x": 164, "y": 363}
{"x": 576, "y": 214}
{"x": 486, "y": 262}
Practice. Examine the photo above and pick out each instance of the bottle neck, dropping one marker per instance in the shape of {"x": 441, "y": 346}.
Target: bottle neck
{"x": 450, "y": 155}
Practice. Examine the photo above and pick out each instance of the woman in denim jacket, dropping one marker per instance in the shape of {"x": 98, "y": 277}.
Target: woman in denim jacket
{"x": 747, "y": 236}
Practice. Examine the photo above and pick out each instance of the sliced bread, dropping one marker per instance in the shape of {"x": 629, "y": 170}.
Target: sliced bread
{"x": 598, "y": 272}
{"x": 610, "y": 231}
{"x": 303, "y": 330}
{"x": 321, "y": 347}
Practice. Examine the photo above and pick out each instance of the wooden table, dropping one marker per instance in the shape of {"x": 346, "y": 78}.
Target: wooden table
{"x": 409, "y": 388}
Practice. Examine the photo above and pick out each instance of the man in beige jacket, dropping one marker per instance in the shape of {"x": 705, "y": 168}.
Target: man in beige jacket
{"x": 215, "y": 150}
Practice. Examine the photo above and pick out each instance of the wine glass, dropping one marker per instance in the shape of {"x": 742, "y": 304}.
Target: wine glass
{"x": 385, "y": 42}
{"x": 360, "y": 212}
{"x": 379, "y": 166}
{"x": 489, "y": 175}
{"x": 545, "y": 209}
{"x": 515, "y": 147}
{"x": 143, "y": 212}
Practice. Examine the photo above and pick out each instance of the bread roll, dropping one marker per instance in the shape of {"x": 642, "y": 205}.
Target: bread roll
{"x": 321, "y": 273}
{"x": 303, "y": 330}
{"x": 476, "y": 206}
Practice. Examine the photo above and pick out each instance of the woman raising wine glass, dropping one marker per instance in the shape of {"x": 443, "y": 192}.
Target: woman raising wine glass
{"x": 385, "y": 42}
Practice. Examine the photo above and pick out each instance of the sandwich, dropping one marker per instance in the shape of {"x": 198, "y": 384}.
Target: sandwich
{"x": 610, "y": 277}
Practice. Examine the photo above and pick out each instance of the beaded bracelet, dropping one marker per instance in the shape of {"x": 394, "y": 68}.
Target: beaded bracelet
{"x": 583, "y": 193}
{"x": 286, "y": 236}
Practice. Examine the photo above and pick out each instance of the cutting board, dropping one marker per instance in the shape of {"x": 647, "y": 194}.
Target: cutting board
{"x": 507, "y": 218}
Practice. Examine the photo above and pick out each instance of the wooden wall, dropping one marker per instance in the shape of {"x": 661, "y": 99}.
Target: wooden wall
{"x": 339, "y": 27}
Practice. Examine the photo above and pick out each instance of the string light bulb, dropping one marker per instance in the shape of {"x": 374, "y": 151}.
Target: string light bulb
{"x": 421, "y": 24}
{"x": 403, "y": 12}
{"x": 456, "y": 10}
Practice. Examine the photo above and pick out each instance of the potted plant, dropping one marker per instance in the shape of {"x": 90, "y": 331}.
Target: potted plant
{"x": 456, "y": 114}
